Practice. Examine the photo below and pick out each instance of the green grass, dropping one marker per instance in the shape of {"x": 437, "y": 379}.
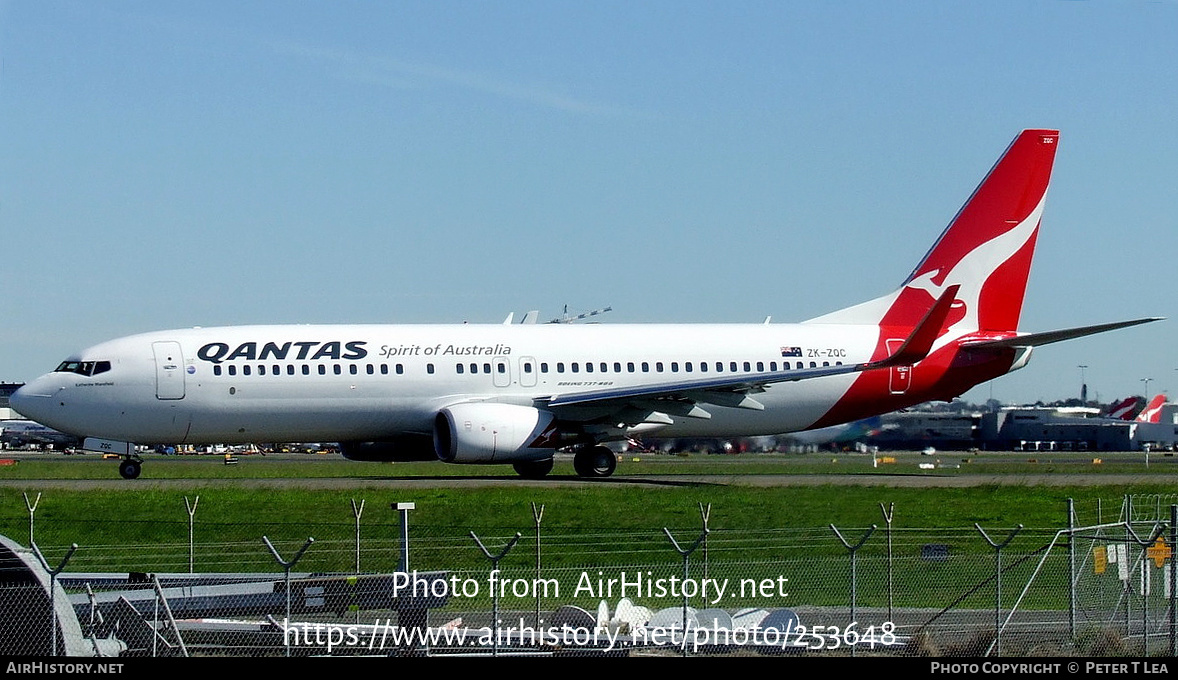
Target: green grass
{"x": 756, "y": 532}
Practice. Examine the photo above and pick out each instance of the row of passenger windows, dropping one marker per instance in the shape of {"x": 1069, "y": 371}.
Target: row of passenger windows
{"x": 674, "y": 366}
{"x": 526, "y": 367}
{"x": 305, "y": 369}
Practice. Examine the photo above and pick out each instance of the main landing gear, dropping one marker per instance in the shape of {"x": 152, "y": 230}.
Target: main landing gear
{"x": 590, "y": 462}
{"x": 130, "y": 467}
{"x": 595, "y": 462}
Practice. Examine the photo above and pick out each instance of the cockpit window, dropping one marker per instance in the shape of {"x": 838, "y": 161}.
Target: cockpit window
{"x": 86, "y": 368}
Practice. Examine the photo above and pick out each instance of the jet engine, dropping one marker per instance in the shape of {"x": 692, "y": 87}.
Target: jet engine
{"x": 494, "y": 433}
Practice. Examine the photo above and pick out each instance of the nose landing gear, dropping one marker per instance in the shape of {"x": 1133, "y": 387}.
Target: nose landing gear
{"x": 130, "y": 467}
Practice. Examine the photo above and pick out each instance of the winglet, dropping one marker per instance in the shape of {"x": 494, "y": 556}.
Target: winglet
{"x": 920, "y": 342}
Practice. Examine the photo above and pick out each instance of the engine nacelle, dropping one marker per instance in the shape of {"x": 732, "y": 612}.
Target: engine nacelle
{"x": 494, "y": 433}
{"x": 402, "y": 449}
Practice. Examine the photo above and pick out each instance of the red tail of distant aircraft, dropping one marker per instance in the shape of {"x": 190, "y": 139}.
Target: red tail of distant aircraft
{"x": 1152, "y": 413}
{"x": 1122, "y": 410}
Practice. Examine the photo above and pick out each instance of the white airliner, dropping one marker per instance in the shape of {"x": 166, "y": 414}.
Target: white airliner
{"x": 516, "y": 394}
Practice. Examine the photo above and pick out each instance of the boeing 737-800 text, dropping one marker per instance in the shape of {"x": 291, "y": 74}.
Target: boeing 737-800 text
{"x": 519, "y": 393}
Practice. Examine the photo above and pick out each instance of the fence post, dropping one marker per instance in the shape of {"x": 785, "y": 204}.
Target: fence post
{"x": 854, "y": 569}
{"x": 1072, "y": 570}
{"x": 286, "y": 566}
{"x": 357, "y": 510}
{"x": 686, "y": 554}
{"x": 705, "y": 513}
{"x": 495, "y": 591}
{"x": 538, "y": 515}
{"x": 998, "y": 581}
{"x": 53, "y": 590}
{"x": 191, "y": 521}
{"x": 1173, "y": 595}
{"x": 1144, "y": 546}
{"x": 888, "y": 515}
{"x": 32, "y": 510}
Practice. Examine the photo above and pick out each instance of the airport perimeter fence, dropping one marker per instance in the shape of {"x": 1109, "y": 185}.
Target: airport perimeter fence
{"x": 1089, "y": 589}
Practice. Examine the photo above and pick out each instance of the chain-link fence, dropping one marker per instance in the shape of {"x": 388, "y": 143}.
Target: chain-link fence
{"x": 381, "y": 587}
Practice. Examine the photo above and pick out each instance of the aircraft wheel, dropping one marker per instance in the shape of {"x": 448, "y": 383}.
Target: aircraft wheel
{"x": 596, "y": 461}
{"x": 533, "y": 469}
{"x": 129, "y": 469}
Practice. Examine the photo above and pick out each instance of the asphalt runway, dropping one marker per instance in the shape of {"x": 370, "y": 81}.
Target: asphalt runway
{"x": 1163, "y": 469}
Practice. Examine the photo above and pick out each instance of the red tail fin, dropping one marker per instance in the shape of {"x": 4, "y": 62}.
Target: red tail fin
{"x": 1122, "y": 410}
{"x": 986, "y": 249}
{"x": 1152, "y": 413}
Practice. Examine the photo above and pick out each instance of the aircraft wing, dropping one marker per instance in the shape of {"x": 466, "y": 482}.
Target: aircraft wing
{"x": 733, "y": 390}
{"x": 1036, "y": 339}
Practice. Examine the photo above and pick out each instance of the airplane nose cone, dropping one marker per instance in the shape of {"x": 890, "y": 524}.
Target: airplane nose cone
{"x": 31, "y": 401}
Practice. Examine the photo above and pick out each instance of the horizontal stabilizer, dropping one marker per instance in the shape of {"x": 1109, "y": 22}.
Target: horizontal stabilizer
{"x": 1037, "y": 339}
{"x": 917, "y": 346}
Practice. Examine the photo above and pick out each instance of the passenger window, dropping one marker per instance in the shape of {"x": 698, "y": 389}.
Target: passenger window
{"x": 501, "y": 368}
{"x": 217, "y": 369}
{"x": 322, "y": 369}
{"x": 605, "y": 367}
{"x": 400, "y": 369}
{"x": 575, "y": 367}
{"x": 618, "y": 367}
{"x": 232, "y": 369}
{"x": 459, "y": 368}
{"x": 290, "y": 369}
{"x": 486, "y": 368}
{"x": 588, "y": 366}
{"x": 369, "y": 369}
{"x": 543, "y": 366}
{"x": 306, "y": 369}
{"x": 429, "y": 368}
{"x": 813, "y": 364}
{"x": 560, "y": 367}
{"x": 527, "y": 367}
{"x": 335, "y": 368}
{"x": 760, "y": 366}
{"x": 645, "y": 367}
{"x": 732, "y": 367}
{"x": 630, "y": 366}
{"x": 674, "y": 366}
{"x": 262, "y": 369}
{"x": 687, "y": 366}
{"x": 658, "y": 366}
{"x": 748, "y": 367}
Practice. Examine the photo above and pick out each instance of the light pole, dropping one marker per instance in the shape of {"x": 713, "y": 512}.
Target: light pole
{"x": 1083, "y": 384}
{"x": 1146, "y": 381}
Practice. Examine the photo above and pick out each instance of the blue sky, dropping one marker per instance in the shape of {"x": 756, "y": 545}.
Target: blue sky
{"x": 170, "y": 164}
